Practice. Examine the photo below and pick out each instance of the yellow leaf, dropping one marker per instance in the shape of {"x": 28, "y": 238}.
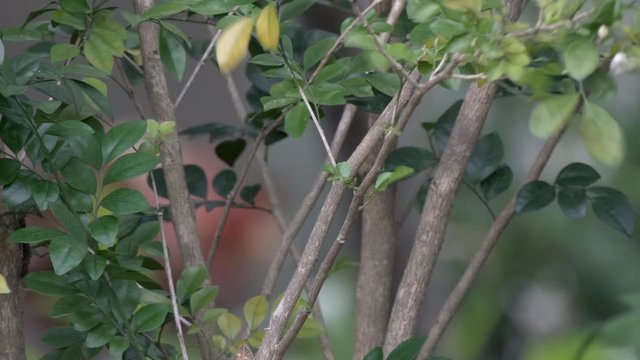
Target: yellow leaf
{"x": 233, "y": 44}
{"x": 268, "y": 28}
{"x": 4, "y": 288}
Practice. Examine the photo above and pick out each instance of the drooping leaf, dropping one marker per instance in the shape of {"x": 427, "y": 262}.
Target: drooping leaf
{"x": 249, "y": 193}
{"x": 224, "y": 182}
{"x": 602, "y": 135}
{"x": 69, "y": 219}
{"x": 534, "y": 195}
{"x": 551, "y": 114}
{"x": 573, "y": 202}
{"x": 229, "y": 151}
{"x": 255, "y": 311}
{"x": 125, "y": 201}
{"x": 296, "y": 119}
{"x": 497, "y": 183}
{"x": 577, "y": 174}
{"x": 34, "y": 235}
{"x": 173, "y": 54}
{"x": 614, "y": 209}
{"x": 232, "y": 46}
{"x": 268, "y": 28}
{"x": 486, "y": 157}
{"x": 48, "y": 283}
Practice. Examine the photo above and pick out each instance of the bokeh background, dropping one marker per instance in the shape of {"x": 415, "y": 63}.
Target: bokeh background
{"x": 554, "y": 288}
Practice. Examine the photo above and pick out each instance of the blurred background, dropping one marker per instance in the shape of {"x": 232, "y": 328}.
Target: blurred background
{"x": 554, "y": 288}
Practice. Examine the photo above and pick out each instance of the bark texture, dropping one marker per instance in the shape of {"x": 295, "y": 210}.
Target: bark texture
{"x": 182, "y": 212}
{"x": 11, "y": 305}
{"x": 437, "y": 209}
{"x": 377, "y": 252}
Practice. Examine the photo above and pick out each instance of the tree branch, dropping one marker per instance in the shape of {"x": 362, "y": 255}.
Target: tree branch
{"x": 452, "y": 303}
{"x": 183, "y": 215}
{"x": 435, "y": 215}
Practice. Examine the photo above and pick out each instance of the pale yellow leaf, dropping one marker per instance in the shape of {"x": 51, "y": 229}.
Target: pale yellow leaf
{"x": 232, "y": 46}
{"x": 268, "y": 28}
{"x": 4, "y": 287}
{"x": 602, "y": 135}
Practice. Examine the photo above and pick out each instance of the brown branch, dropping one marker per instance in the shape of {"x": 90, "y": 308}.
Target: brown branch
{"x": 183, "y": 215}
{"x": 12, "y": 264}
{"x": 269, "y": 346}
{"x": 480, "y": 257}
{"x": 435, "y": 215}
{"x": 307, "y": 205}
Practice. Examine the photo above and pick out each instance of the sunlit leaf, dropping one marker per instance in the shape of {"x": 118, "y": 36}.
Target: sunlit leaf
{"x": 602, "y": 135}
{"x": 551, "y": 114}
{"x": 268, "y": 28}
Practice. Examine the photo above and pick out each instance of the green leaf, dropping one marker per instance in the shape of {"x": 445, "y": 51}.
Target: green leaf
{"x": 229, "y": 324}
{"x": 310, "y": 328}
{"x": 1, "y": 52}
{"x": 165, "y": 9}
{"x": 385, "y": 179}
{"x": 581, "y": 58}
{"x": 100, "y": 336}
{"x": 76, "y": 21}
{"x": 255, "y": 311}
{"x": 70, "y": 220}
{"x": 534, "y": 195}
{"x": 573, "y": 202}
{"x": 149, "y": 317}
{"x": 125, "y": 201}
{"x": 296, "y": 119}
{"x": 447, "y": 28}
{"x": 332, "y": 71}
{"x": 118, "y": 345}
{"x": 48, "y": 283}
{"x": 224, "y": 182}
{"x": 267, "y": 60}
{"x": 229, "y": 151}
{"x": 294, "y": 8}
{"x": 414, "y": 157}
{"x": 66, "y": 253}
{"x": 614, "y": 209}
{"x": 202, "y": 298}
{"x": 8, "y": 170}
{"x": 62, "y": 336}
{"x": 121, "y": 138}
{"x": 70, "y": 129}
{"x": 44, "y": 193}
{"x": 60, "y": 52}
{"x": 248, "y": 193}
{"x": 173, "y": 54}
{"x": 486, "y": 157}
{"x": 602, "y": 135}
{"x": 190, "y": 280}
{"x": 94, "y": 266}
{"x": 34, "y": 235}
{"x": 67, "y": 305}
{"x": 105, "y": 230}
{"x": 420, "y": 11}
{"x": 75, "y": 6}
{"x": 408, "y": 349}
{"x": 316, "y": 52}
{"x": 197, "y": 184}
{"x": 497, "y": 183}
{"x": 577, "y": 174}
{"x": 80, "y": 176}
{"x": 375, "y": 354}
{"x": 464, "y": 5}
{"x": 386, "y": 83}
{"x": 551, "y": 114}
{"x": 98, "y": 54}
{"x": 131, "y": 165}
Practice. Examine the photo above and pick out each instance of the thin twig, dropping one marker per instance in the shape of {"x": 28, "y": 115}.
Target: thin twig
{"x": 542, "y": 27}
{"x": 196, "y": 70}
{"x": 129, "y": 90}
{"x": 312, "y": 113}
{"x": 307, "y": 205}
{"x": 452, "y": 303}
{"x": 234, "y": 191}
{"x": 341, "y": 38}
{"x": 168, "y": 272}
